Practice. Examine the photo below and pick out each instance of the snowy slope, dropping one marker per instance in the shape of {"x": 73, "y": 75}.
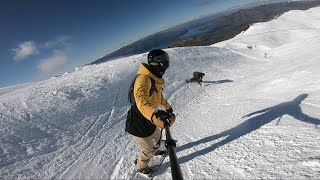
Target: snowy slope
{"x": 253, "y": 117}
{"x": 8, "y": 89}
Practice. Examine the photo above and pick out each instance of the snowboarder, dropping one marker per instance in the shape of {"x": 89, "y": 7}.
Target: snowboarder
{"x": 149, "y": 109}
{"x": 197, "y": 77}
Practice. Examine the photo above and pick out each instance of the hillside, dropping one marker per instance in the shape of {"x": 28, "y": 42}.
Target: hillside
{"x": 226, "y": 27}
{"x": 255, "y": 116}
{"x": 209, "y": 29}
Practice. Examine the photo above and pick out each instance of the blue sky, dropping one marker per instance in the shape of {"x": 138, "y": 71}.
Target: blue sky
{"x": 43, "y": 38}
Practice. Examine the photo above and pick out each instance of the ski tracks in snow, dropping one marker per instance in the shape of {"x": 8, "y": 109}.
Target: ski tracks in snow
{"x": 116, "y": 170}
{"x": 91, "y": 135}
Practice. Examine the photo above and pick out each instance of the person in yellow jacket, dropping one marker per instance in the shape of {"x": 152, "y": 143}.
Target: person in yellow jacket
{"x": 149, "y": 109}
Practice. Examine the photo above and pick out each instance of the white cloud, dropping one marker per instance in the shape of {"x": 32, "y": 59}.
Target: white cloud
{"x": 205, "y": 2}
{"x": 24, "y": 50}
{"x": 59, "y": 41}
{"x": 29, "y": 48}
{"x": 51, "y": 64}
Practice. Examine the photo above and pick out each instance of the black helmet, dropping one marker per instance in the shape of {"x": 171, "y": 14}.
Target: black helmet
{"x": 158, "y": 57}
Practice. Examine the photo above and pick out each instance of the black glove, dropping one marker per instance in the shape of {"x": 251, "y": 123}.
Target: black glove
{"x": 169, "y": 110}
{"x": 163, "y": 115}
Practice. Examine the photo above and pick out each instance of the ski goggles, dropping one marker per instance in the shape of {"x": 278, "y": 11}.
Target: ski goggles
{"x": 160, "y": 61}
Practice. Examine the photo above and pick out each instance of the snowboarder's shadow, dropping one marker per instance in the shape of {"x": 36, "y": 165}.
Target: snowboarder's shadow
{"x": 262, "y": 117}
{"x": 207, "y": 83}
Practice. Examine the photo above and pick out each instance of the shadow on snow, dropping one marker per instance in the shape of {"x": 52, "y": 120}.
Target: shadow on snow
{"x": 262, "y": 117}
{"x": 218, "y": 82}
{"x": 207, "y": 83}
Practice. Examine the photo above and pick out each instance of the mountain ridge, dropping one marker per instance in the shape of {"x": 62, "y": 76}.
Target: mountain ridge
{"x": 217, "y": 27}
{"x": 254, "y": 117}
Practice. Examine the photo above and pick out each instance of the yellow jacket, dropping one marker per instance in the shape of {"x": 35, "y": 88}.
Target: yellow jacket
{"x": 146, "y": 104}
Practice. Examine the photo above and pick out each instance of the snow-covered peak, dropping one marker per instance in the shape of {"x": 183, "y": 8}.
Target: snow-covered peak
{"x": 256, "y": 114}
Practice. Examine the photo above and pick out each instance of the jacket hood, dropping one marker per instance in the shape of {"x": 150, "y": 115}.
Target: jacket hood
{"x": 145, "y": 71}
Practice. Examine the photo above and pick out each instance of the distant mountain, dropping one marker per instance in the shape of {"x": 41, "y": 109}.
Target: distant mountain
{"x": 226, "y": 27}
{"x": 208, "y": 30}
{"x": 253, "y": 117}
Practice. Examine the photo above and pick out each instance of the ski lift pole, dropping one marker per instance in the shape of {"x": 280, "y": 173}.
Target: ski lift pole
{"x": 170, "y": 145}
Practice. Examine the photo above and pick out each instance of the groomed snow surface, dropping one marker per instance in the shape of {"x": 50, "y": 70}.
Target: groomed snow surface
{"x": 256, "y": 115}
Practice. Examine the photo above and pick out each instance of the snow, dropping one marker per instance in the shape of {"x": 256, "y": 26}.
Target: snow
{"x": 253, "y": 117}
{"x": 8, "y": 89}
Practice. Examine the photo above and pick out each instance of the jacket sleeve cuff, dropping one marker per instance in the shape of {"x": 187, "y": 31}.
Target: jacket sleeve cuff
{"x": 151, "y": 119}
{"x": 149, "y": 114}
